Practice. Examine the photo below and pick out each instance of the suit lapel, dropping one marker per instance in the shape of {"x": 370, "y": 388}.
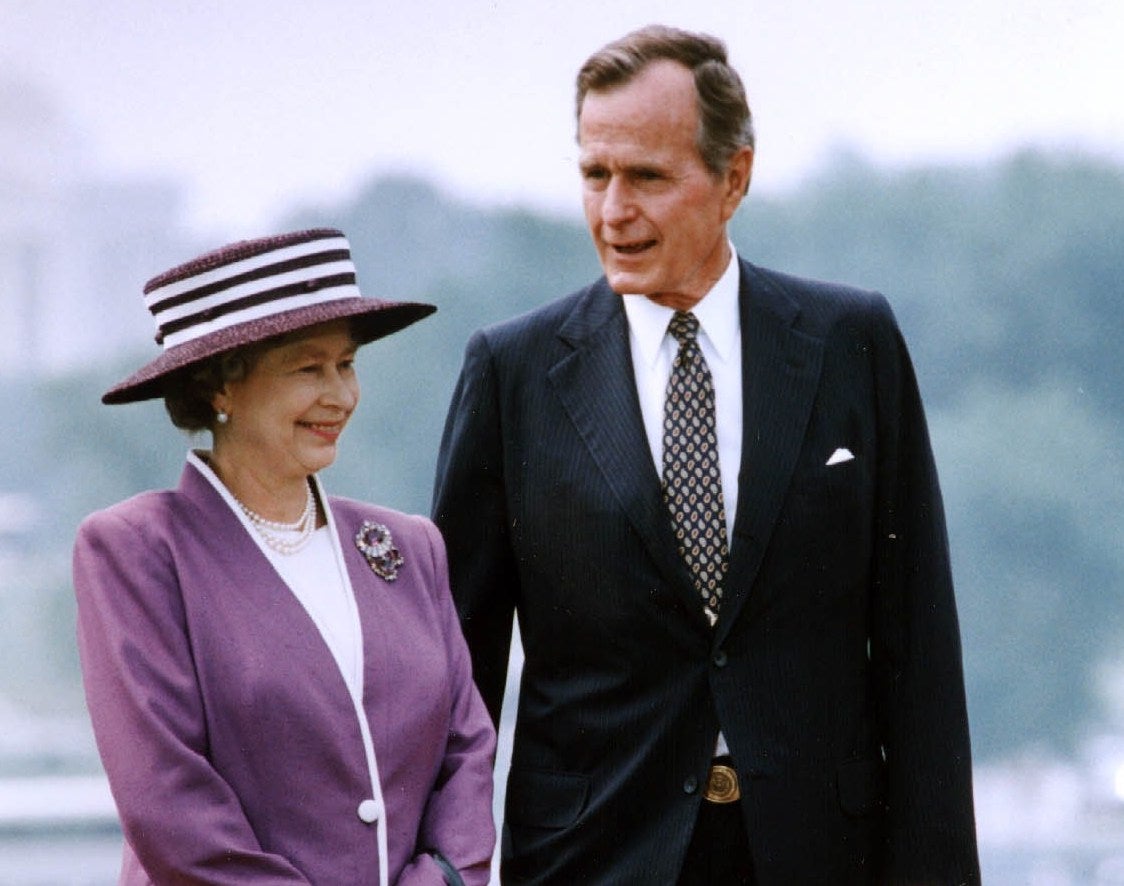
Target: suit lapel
{"x": 780, "y": 376}
{"x": 596, "y": 386}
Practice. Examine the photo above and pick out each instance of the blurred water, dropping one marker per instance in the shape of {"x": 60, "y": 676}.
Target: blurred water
{"x": 1028, "y": 813}
{"x": 1041, "y": 821}
{"x": 93, "y": 860}
{"x": 1029, "y": 836}
{"x": 60, "y": 860}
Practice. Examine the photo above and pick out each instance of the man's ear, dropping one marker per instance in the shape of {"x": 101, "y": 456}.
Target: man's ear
{"x": 738, "y": 175}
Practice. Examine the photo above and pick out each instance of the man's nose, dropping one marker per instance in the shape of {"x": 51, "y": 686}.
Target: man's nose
{"x": 619, "y": 205}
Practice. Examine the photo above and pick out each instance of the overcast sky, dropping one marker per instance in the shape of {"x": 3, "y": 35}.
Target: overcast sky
{"x": 259, "y": 104}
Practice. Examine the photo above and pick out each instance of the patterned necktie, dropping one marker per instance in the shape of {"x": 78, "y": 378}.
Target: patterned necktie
{"x": 692, "y": 483}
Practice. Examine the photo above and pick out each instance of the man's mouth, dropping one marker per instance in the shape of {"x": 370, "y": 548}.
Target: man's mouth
{"x": 633, "y": 248}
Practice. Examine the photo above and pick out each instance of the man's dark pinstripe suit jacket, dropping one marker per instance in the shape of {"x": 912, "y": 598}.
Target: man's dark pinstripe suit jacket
{"x": 834, "y": 670}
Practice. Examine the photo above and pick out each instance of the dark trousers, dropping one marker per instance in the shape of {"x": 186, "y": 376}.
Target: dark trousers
{"x": 718, "y": 854}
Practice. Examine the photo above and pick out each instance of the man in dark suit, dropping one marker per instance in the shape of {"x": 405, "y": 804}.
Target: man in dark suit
{"x": 707, "y": 491}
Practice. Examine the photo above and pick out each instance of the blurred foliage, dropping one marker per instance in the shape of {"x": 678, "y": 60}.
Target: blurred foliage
{"x": 1006, "y": 280}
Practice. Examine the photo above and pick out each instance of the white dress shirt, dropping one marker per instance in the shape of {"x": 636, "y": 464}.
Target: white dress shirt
{"x": 720, "y": 338}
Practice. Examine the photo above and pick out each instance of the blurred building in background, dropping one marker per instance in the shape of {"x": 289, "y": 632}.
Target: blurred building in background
{"x": 75, "y": 248}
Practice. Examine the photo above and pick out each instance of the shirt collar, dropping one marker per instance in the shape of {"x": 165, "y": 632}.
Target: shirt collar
{"x": 717, "y": 313}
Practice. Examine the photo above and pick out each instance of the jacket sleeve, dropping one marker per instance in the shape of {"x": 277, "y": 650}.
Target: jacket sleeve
{"x": 915, "y": 642}
{"x": 179, "y": 816}
{"x": 470, "y": 507}
{"x": 457, "y": 821}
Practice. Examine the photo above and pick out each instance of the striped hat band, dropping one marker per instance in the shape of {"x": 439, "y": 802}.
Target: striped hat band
{"x": 301, "y": 275}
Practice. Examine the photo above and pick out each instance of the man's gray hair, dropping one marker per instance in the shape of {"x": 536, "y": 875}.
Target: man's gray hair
{"x": 726, "y": 122}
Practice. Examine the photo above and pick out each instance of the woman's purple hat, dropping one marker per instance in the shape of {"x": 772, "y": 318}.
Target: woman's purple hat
{"x": 251, "y": 291}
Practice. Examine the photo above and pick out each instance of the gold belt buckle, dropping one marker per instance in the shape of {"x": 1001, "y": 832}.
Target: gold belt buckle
{"x": 722, "y": 784}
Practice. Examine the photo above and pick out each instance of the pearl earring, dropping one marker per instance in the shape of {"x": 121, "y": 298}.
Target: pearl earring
{"x": 221, "y": 417}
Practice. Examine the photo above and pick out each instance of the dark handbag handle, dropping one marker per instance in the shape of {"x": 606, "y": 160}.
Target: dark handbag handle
{"x": 451, "y": 874}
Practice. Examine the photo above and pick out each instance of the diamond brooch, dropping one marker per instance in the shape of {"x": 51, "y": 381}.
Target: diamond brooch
{"x": 375, "y": 543}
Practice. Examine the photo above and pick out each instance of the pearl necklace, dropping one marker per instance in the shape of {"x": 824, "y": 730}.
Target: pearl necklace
{"x": 278, "y": 535}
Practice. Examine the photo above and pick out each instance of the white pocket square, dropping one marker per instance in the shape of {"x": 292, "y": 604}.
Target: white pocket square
{"x": 839, "y": 456}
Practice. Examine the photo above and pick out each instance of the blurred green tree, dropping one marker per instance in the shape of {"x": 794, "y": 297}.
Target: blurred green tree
{"x": 1006, "y": 280}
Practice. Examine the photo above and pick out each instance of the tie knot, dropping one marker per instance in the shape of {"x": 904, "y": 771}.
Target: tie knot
{"x": 684, "y": 327}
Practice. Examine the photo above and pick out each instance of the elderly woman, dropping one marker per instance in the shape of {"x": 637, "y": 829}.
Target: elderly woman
{"x": 276, "y": 677}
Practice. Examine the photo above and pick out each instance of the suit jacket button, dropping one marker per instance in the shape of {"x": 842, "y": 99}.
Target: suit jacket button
{"x": 369, "y": 811}
{"x": 690, "y": 784}
{"x": 720, "y": 658}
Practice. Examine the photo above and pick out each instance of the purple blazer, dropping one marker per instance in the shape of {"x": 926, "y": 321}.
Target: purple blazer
{"x": 232, "y": 745}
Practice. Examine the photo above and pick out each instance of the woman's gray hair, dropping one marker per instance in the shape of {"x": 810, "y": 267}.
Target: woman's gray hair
{"x": 726, "y": 122}
{"x": 188, "y": 394}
